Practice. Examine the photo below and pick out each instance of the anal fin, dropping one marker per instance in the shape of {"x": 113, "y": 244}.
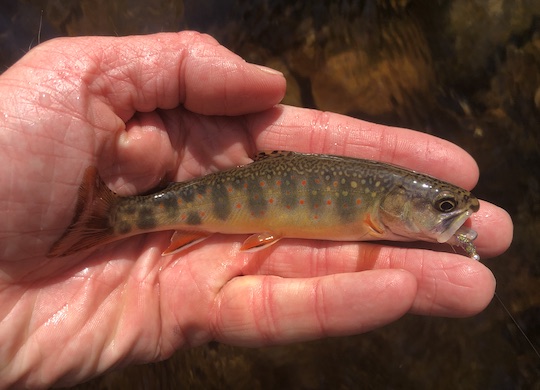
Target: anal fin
{"x": 181, "y": 240}
{"x": 259, "y": 241}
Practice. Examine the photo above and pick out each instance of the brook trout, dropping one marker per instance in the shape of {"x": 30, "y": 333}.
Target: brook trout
{"x": 281, "y": 194}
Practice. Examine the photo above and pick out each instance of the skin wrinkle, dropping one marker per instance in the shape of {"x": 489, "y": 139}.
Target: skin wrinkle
{"x": 317, "y": 138}
{"x": 268, "y": 328}
{"x": 372, "y": 150}
{"x": 216, "y": 323}
{"x": 347, "y": 144}
{"x": 181, "y": 72}
{"x": 10, "y": 347}
{"x": 428, "y": 300}
{"x": 391, "y": 145}
{"x": 434, "y": 291}
{"x": 321, "y": 265}
{"x": 320, "y": 307}
{"x": 190, "y": 270}
{"x": 225, "y": 91}
{"x": 224, "y": 321}
{"x": 383, "y": 140}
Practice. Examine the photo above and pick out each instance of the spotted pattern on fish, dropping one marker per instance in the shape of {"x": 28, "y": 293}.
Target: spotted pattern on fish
{"x": 220, "y": 198}
{"x": 284, "y": 194}
{"x": 313, "y": 188}
{"x": 146, "y": 219}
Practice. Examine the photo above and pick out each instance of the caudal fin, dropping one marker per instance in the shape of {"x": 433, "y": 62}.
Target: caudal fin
{"x": 90, "y": 225}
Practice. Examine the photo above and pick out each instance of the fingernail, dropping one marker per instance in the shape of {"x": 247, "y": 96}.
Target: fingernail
{"x": 266, "y": 69}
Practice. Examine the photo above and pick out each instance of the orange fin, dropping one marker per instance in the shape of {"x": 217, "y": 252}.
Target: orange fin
{"x": 376, "y": 230}
{"x": 259, "y": 241}
{"x": 182, "y": 240}
{"x": 90, "y": 225}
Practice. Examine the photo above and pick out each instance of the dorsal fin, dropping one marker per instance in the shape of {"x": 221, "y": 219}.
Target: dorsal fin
{"x": 272, "y": 154}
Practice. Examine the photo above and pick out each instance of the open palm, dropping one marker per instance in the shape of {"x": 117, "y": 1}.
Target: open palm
{"x": 148, "y": 110}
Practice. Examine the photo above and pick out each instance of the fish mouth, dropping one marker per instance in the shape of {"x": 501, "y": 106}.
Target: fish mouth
{"x": 455, "y": 226}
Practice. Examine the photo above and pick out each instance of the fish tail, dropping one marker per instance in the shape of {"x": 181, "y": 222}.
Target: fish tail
{"x": 91, "y": 224}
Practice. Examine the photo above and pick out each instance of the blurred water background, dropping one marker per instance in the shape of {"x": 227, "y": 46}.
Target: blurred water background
{"x": 464, "y": 70}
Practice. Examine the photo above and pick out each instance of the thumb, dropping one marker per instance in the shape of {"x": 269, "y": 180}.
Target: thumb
{"x": 144, "y": 73}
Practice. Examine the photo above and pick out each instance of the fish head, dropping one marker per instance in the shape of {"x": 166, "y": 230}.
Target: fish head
{"x": 428, "y": 209}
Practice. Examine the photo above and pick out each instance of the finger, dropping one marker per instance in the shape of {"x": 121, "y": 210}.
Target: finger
{"x": 268, "y": 310}
{"x": 322, "y": 132}
{"x": 451, "y": 286}
{"x": 448, "y": 284}
{"x": 495, "y": 230}
{"x": 163, "y": 71}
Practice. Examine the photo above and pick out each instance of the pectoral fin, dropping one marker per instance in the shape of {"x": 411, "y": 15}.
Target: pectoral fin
{"x": 259, "y": 241}
{"x": 374, "y": 229}
{"x": 182, "y": 240}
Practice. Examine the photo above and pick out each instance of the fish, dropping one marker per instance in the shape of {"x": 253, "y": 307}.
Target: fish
{"x": 281, "y": 194}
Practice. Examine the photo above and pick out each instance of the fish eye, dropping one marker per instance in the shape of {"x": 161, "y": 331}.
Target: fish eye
{"x": 445, "y": 204}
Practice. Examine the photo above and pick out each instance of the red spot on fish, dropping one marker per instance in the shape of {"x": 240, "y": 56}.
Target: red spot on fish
{"x": 179, "y": 201}
{"x": 270, "y": 200}
{"x": 238, "y": 206}
{"x": 262, "y": 183}
{"x": 278, "y": 183}
{"x": 315, "y": 217}
{"x": 202, "y": 214}
{"x": 301, "y": 201}
{"x": 315, "y": 206}
{"x": 358, "y": 201}
{"x": 328, "y": 202}
{"x": 229, "y": 189}
{"x": 288, "y": 206}
{"x": 317, "y": 181}
{"x": 304, "y": 182}
{"x": 256, "y": 196}
{"x": 183, "y": 217}
{"x": 199, "y": 196}
{"x": 335, "y": 184}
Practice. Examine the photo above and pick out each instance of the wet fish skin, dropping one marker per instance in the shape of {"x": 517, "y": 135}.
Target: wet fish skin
{"x": 281, "y": 194}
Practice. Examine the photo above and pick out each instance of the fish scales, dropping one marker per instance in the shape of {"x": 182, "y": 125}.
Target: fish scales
{"x": 287, "y": 194}
{"x": 317, "y": 193}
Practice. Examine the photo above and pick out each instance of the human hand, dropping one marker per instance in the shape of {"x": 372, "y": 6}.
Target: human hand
{"x": 172, "y": 107}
